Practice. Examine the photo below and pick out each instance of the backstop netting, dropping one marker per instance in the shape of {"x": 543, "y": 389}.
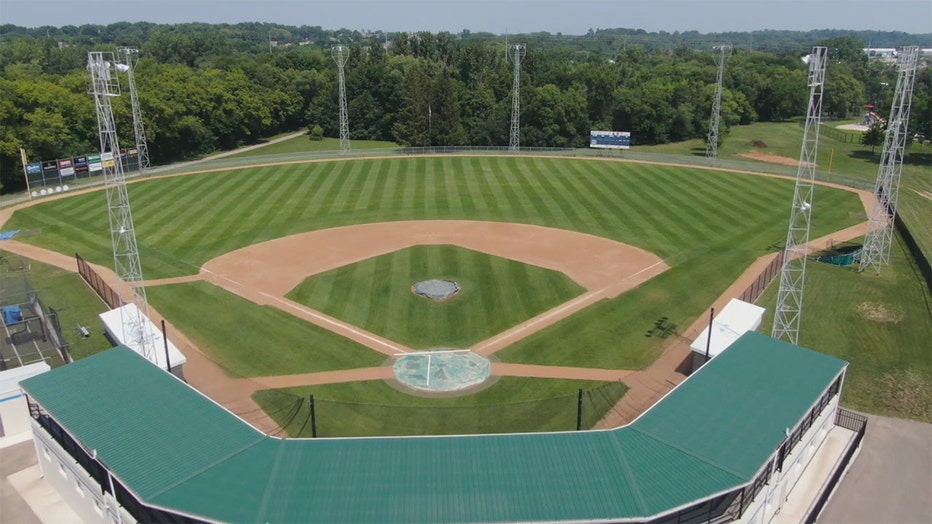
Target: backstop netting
{"x": 338, "y": 418}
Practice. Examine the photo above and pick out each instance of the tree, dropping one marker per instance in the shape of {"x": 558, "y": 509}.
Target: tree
{"x": 875, "y": 134}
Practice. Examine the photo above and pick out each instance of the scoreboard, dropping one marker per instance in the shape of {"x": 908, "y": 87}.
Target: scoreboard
{"x": 610, "y": 139}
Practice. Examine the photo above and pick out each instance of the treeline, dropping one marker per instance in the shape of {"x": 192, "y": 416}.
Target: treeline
{"x": 204, "y": 89}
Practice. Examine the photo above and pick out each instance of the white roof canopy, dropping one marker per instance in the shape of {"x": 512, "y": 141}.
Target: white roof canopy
{"x": 127, "y": 326}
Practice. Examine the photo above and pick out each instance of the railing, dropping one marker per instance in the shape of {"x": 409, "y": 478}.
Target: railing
{"x": 854, "y": 422}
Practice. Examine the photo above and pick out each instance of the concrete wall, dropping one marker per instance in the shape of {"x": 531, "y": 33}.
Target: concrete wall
{"x": 770, "y": 500}
{"x": 14, "y": 414}
{"x": 74, "y": 485}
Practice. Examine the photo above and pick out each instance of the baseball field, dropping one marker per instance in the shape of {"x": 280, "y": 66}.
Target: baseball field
{"x": 239, "y": 261}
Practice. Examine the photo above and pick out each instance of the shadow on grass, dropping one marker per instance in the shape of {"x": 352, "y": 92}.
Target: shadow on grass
{"x": 868, "y": 156}
{"x": 919, "y": 159}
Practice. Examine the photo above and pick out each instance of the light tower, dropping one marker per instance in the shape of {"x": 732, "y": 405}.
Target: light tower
{"x": 711, "y": 148}
{"x": 130, "y": 58}
{"x": 516, "y": 53}
{"x": 879, "y": 238}
{"x": 793, "y": 275}
{"x": 104, "y": 86}
{"x": 340, "y": 54}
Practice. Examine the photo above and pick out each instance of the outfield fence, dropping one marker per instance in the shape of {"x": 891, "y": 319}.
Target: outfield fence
{"x": 310, "y": 416}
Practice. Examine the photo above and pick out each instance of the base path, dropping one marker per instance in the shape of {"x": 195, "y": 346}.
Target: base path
{"x": 263, "y": 273}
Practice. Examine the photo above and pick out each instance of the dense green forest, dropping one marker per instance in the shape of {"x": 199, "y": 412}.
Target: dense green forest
{"x": 204, "y": 88}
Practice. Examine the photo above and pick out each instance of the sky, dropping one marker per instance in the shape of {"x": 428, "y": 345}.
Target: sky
{"x": 499, "y": 17}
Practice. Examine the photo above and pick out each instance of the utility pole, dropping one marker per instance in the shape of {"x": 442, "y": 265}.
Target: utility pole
{"x": 711, "y": 148}
{"x": 879, "y": 238}
{"x": 516, "y": 53}
{"x": 340, "y": 54}
{"x": 793, "y": 274}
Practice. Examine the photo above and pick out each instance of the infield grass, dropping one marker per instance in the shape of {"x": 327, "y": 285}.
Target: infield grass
{"x": 249, "y": 340}
{"x": 496, "y": 294}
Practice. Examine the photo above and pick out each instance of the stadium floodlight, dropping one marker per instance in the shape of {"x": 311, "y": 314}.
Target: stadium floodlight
{"x": 340, "y": 54}
{"x": 139, "y": 130}
{"x": 789, "y": 310}
{"x": 516, "y": 53}
{"x": 879, "y": 239}
{"x": 711, "y": 148}
{"x": 126, "y": 263}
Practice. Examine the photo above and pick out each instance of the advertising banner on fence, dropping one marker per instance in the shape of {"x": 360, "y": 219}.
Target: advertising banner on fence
{"x": 50, "y": 170}
{"x": 80, "y": 165}
{"x": 34, "y": 169}
{"x": 66, "y": 167}
{"x": 610, "y": 139}
{"x": 94, "y": 164}
{"x": 107, "y": 159}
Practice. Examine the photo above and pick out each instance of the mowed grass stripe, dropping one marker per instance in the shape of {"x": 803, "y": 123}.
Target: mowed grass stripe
{"x": 473, "y": 197}
{"x": 608, "y": 212}
{"x": 213, "y": 212}
{"x": 391, "y": 190}
{"x": 487, "y": 184}
{"x": 561, "y": 200}
{"x": 272, "y": 210}
{"x": 645, "y": 213}
{"x": 199, "y": 203}
{"x": 664, "y": 205}
{"x": 341, "y": 198}
{"x": 371, "y": 180}
{"x": 529, "y": 193}
{"x": 634, "y": 226}
{"x": 322, "y": 199}
{"x": 594, "y": 203}
{"x": 454, "y": 183}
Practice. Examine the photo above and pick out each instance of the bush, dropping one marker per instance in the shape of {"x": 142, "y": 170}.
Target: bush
{"x": 315, "y": 132}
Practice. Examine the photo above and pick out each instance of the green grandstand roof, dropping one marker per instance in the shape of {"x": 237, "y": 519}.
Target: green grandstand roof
{"x": 176, "y": 449}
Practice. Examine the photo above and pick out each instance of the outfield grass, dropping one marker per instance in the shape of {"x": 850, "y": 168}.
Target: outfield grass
{"x": 496, "y": 294}
{"x": 709, "y": 226}
{"x": 512, "y": 404}
{"x": 182, "y": 222}
{"x": 303, "y": 144}
{"x": 835, "y": 157}
{"x": 249, "y": 340}
{"x": 881, "y": 324}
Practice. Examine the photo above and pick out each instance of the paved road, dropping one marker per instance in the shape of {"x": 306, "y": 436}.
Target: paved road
{"x": 891, "y": 480}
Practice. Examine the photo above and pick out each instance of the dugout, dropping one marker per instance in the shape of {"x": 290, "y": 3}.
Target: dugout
{"x": 737, "y": 318}
{"x": 124, "y": 330}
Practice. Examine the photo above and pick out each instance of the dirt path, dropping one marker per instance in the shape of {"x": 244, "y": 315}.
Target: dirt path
{"x": 590, "y": 261}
